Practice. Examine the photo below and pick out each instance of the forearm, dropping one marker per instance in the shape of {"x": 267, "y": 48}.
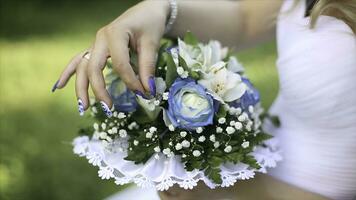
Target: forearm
{"x": 235, "y": 23}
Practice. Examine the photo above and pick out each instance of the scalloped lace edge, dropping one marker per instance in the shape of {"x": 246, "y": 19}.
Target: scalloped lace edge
{"x": 267, "y": 156}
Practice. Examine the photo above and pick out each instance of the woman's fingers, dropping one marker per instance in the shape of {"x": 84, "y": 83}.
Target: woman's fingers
{"x": 147, "y": 61}
{"x": 68, "y": 72}
{"x": 81, "y": 86}
{"x": 120, "y": 57}
{"x": 96, "y": 64}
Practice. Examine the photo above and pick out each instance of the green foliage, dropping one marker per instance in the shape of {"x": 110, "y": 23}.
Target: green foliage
{"x": 142, "y": 116}
{"x": 183, "y": 64}
{"x": 140, "y": 155}
{"x": 171, "y": 73}
{"x": 214, "y": 174}
{"x": 193, "y": 74}
{"x": 162, "y": 59}
{"x": 251, "y": 161}
{"x": 235, "y": 157}
{"x": 221, "y": 112}
{"x": 260, "y": 137}
{"x": 86, "y": 131}
{"x": 215, "y": 161}
{"x": 190, "y": 39}
{"x": 275, "y": 120}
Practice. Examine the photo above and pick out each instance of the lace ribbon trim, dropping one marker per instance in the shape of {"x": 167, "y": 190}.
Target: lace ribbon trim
{"x": 164, "y": 172}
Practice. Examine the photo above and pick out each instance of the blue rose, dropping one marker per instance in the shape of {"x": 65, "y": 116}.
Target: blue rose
{"x": 189, "y": 107}
{"x": 124, "y": 100}
{"x": 250, "y": 98}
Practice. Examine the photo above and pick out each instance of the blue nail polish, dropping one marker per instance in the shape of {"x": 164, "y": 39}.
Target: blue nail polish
{"x": 55, "y": 86}
{"x": 139, "y": 93}
{"x": 152, "y": 85}
{"x": 80, "y": 107}
{"x": 106, "y": 109}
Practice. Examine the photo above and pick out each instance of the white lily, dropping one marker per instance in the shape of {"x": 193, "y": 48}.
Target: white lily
{"x": 160, "y": 85}
{"x": 148, "y": 105}
{"x": 188, "y": 53}
{"x": 200, "y": 58}
{"x": 234, "y": 65}
{"x": 223, "y": 85}
{"x": 217, "y": 52}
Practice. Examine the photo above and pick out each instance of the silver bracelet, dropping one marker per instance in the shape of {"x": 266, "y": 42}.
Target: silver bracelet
{"x": 173, "y": 15}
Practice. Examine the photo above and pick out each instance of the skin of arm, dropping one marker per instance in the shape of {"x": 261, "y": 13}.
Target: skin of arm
{"x": 238, "y": 24}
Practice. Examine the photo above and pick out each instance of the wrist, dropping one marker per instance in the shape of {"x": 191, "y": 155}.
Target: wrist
{"x": 162, "y": 5}
{"x": 168, "y": 9}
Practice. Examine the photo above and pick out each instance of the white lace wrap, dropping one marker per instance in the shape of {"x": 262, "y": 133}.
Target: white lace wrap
{"x": 163, "y": 173}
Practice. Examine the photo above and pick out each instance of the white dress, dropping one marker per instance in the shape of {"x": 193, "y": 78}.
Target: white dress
{"x": 316, "y": 104}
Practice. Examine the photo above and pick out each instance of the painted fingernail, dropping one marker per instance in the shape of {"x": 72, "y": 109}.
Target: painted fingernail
{"x": 139, "y": 93}
{"x": 55, "y": 86}
{"x": 106, "y": 109}
{"x": 152, "y": 85}
{"x": 80, "y": 107}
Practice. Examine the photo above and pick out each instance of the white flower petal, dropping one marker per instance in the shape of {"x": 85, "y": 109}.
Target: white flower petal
{"x": 149, "y": 107}
{"x": 166, "y": 120}
{"x": 217, "y": 67}
{"x": 216, "y": 51}
{"x": 235, "y": 93}
{"x": 234, "y": 65}
{"x": 160, "y": 85}
{"x": 232, "y": 79}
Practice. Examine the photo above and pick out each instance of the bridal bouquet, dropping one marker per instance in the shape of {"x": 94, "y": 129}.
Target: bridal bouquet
{"x": 203, "y": 122}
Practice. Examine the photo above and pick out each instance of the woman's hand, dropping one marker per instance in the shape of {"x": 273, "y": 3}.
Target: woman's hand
{"x": 139, "y": 28}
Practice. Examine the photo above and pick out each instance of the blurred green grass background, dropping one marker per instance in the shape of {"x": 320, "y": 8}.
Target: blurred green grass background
{"x": 37, "y": 39}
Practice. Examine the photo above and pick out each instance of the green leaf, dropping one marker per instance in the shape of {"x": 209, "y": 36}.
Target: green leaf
{"x": 139, "y": 155}
{"x": 214, "y": 174}
{"x": 275, "y": 121}
{"x": 161, "y": 60}
{"x": 215, "y": 161}
{"x": 221, "y": 112}
{"x": 141, "y": 116}
{"x": 189, "y": 166}
{"x": 86, "y": 131}
{"x": 146, "y": 109}
{"x": 190, "y": 39}
{"x": 100, "y": 116}
{"x": 273, "y": 118}
{"x": 194, "y": 75}
{"x": 217, "y": 152}
{"x": 171, "y": 74}
{"x": 235, "y": 157}
{"x": 183, "y": 64}
{"x": 260, "y": 137}
{"x": 196, "y": 164}
{"x": 250, "y": 160}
